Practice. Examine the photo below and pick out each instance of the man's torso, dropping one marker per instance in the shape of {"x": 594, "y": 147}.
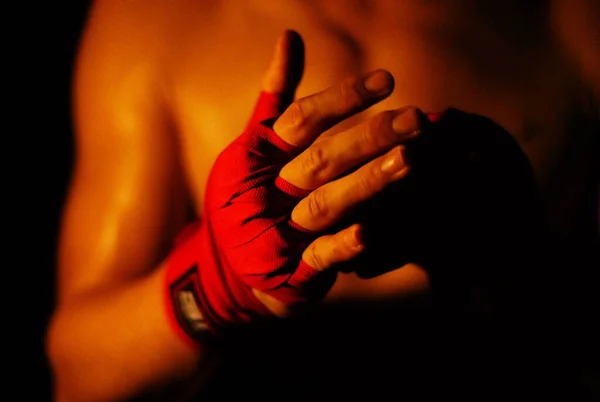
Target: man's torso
{"x": 500, "y": 61}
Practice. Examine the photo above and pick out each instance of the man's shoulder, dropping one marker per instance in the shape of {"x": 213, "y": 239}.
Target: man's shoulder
{"x": 123, "y": 62}
{"x": 153, "y": 14}
{"x": 138, "y": 37}
{"x": 139, "y": 26}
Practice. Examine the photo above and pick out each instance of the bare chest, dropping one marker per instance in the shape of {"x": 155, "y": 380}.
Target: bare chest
{"x": 439, "y": 59}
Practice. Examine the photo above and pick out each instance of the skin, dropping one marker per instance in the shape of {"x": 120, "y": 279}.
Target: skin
{"x": 156, "y": 98}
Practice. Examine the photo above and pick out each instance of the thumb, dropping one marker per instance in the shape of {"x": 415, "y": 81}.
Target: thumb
{"x": 287, "y": 65}
{"x": 281, "y": 78}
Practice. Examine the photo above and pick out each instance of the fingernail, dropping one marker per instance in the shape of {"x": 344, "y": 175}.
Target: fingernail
{"x": 354, "y": 238}
{"x": 393, "y": 162}
{"x": 406, "y": 122}
{"x": 379, "y": 81}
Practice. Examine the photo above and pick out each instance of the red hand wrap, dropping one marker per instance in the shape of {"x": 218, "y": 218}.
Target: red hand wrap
{"x": 434, "y": 117}
{"x": 269, "y": 105}
{"x": 246, "y": 239}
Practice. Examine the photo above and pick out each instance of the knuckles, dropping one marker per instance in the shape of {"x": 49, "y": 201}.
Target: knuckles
{"x": 369, "y": 182}
{"x": 349, "y": 96}
{"x": 315, "y": 163}
{"x": 314, "y": 258}
{"x": 295, "y": 116}
{"x": 378, "y": 133}
{"x": 316, "y": 205}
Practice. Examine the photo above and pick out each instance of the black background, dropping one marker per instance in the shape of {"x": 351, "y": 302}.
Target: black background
{"x": 44, "y": 50}
{"x": 43, "y": 43}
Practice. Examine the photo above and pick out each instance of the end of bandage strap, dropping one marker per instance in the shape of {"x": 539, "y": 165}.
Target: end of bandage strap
{"x": 268, "y": 105}
{"x": 183, "y": 310}
{"x": 435, "y": 117}
{"x": 266, "y": 133}
{"x": 303, "y": 275}
{"x": 290, "y": 189}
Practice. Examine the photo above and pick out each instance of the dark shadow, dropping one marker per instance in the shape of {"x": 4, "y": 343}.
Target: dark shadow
{"x": 57, "y": 36}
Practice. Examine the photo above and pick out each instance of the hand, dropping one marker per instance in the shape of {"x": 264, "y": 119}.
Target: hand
{"x": 468, "y": 211}
{"x": 275, "y": 194}
{"x": 486, "y": 212}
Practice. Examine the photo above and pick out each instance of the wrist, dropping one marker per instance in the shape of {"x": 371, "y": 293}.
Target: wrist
{"x": 203, "y": 299}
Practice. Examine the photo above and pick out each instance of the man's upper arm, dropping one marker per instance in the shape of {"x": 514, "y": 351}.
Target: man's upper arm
{"x": 126, "y": 198}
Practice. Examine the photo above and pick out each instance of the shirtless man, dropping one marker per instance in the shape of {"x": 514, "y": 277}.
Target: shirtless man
{"x": 162, "y": 87}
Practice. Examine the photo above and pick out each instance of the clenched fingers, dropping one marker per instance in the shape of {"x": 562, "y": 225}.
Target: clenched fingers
{"x": 328, "y": 158}
{"x": 329, "y": 250}
{"x": 318, "y": 261}
{"x": 329, "y": 203}
{"x": 307, "y": 118}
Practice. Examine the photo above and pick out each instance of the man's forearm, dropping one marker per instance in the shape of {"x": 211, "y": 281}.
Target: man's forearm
{"x": 118, "y": 345}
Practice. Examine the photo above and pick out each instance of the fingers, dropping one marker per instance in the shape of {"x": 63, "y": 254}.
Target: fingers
{"x": 306, "y": 118}
{"x": 314, "y": 275}
{"x": 287, "y": 65}
{"x": 328, "y": 158}
{"x": 329, "y": 203}
{"x": 281, "y": 79}
{"x": 329, "y": 250}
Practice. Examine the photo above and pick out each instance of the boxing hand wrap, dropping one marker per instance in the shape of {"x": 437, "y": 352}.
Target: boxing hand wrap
{"x": 246, "y": 240}
{"x": 269, "y": 105}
